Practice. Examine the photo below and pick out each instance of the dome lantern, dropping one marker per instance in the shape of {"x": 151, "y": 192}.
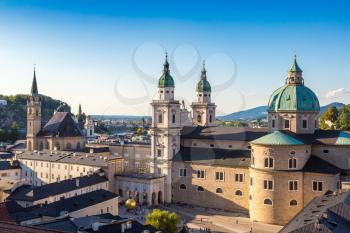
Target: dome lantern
{"x": 203, "y": 84}
{"x": 166, "y": 80}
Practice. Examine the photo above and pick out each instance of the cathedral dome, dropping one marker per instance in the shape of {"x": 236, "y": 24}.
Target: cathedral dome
{"x": 294, "y": 96}
{"x": 166, "y": 80}
{"x": 297, "y": 98}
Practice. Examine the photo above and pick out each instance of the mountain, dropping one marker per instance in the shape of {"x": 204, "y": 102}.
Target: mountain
{"x": 16, "y": 110}
{"x": 260, "y": 113}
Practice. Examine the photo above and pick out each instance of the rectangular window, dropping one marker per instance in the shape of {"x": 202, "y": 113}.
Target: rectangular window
{"x": 200, "y": 174}
{"x": 239, "y": 177}
{"x": 159, "y": 153}
{"x": 286, "y": 124}
{"x": 292, "y": 163}
{"x": 160, "y": 118}
{"x": 174, "y": 119}
{"x": 273, "y": 123}
{"x": 182, "y": 172}
{"x": 268, "y": 184}
{"x": 268, "y": 162}
{"x": 219, "y": 176}
{"x": 317, "y": 186}
{"x": 292, "y": 185}
{"x": 304, "y": 124}
{"x": 251, "y": 181}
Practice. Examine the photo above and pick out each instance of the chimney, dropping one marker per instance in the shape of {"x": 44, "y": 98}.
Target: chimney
{"x": 77, "y": 182}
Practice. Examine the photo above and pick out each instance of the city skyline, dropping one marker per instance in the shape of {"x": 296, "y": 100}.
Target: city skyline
{"x": 85, "y": 55}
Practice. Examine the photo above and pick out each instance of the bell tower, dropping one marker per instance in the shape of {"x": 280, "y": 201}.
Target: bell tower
{"x": 33, "y": 116}
{"x": 165, "y": 129}
{"x": 203, "y": 110}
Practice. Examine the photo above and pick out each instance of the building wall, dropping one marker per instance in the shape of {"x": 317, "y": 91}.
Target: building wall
{"x": 226, "y": 200}
{"x": 61, "y": 143}
{"x": 109, "y": 206}
{"x": 295, "y": 121}
{"x": 222, "y": 144}
{"x": 39, "y": 172}
{"x": 336, "y": 155}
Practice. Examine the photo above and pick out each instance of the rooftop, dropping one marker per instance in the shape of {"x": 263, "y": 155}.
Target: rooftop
{"x": 72, "y": 204}
{"x": 34, "y": 193}
{"x": 7, "y": 165}
{"x": 89, "y": 159}
{"x": 328, "y": 213}
{"x": 277, "y": 138}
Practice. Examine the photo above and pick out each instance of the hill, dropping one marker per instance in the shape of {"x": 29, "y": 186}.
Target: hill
{"x": 16, "y": 110}
{"x": 260, "y": 113}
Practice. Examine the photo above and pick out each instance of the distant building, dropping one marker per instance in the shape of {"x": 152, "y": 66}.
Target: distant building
{"x": 60, "y": 133}
{"x": 10, "y": 176}
{"x": 28, "y": 195}
{"x": 3, "y": 102}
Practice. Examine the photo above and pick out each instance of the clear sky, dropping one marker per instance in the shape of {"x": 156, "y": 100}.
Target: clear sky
{"x": 108, "y": 55}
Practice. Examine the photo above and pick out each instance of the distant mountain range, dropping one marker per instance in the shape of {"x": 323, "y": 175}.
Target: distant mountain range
{"x": 260, "y": 113}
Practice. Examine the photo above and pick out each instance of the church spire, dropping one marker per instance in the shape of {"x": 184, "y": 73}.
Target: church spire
{"x": 295, "y": 74}
{"x": 203, "y": 72}
{"x": 34, "y": 90}
{"x": 166, "y": 64}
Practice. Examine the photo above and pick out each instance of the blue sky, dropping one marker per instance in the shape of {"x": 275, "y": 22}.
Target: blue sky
{"x": 107, "y": 55}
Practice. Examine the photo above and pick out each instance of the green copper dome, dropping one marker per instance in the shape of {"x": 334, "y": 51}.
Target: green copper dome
{"x": 293, "y": 98}
{"x": 203, "y": 84}
{"x": 277, "y": 138}
{"x": 166, "y": 80}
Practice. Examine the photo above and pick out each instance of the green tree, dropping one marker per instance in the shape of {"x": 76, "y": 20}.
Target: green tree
{"x": 139, "y": 131}
{"x": 163, "y": 220}
{"x": 331, "y": 115}
{"x": 343, "y": 121}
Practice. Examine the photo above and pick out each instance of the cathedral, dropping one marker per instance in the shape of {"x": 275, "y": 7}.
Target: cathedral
{"x": 269, "y": 173}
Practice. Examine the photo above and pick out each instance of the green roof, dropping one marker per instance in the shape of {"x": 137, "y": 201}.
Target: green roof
{"x": 277, "y": 138}
{"x": 34, "y": 89}
{"x": 203, "y": 85}
{"x": 343, "y": 139}
{"x": 295, "y": 67}
{"x": 293, "y": 98}
{"x": 166, "y": 80}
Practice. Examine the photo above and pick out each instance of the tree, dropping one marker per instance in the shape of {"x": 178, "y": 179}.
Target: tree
{"x": 139, "y": 131}
{"x": 163, "y": 220}
{"x": 329, "y": 117}
{"x": 14, "y": 132}
{"x": 343, "y": 121}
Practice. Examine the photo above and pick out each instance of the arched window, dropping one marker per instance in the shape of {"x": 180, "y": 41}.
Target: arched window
{"x": 120, "y": 191}
{"x": 292, "y": 163}
{"x": 210, "y": 118}
{"x": 183, "y": 186}
{"x": 250, "y": 197}
{"x": 160, "y": 118}
{"x": 218, "y": 190}
{"x": 238, "y": 193}
{"x": 199, "y": 118}
{"x": 268, "y": 162}
{"x": 57, "y": 145}
{"x": 69, "y": 146}
{"x": 200, "y": 189}
{"x": 41, "y": 145}
{"x": 293, "y": 203}
{"x": 174, "y": 118}
{"x": 267, "y": 202}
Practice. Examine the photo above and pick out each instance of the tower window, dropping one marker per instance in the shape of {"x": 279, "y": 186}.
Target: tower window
{"x": 36, "y": 112}
{"x": 268, "y": 162}
{"x": 160, "y": 118}
{"x": 210, "y": 118}
{"x": 199, "y": 118}
{"x": 273, "y": 123}
{"x": 174, "y": 118}
{"x": 286, "y": 124}
{"x": 304, "y": 124}
{"x": 159, "y": 153}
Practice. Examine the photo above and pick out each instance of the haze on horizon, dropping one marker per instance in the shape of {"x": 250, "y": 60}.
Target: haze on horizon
{"x": 108, "y": 56}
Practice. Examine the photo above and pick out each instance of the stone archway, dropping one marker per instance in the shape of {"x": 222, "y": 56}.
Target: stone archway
{"x": 154, "y": 199}
{"x": 160, "y": 197}
{"x": 144, "y": 198}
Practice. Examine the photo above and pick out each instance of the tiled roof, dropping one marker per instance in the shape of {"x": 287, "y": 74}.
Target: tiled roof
{"x": 62, "y": 125}
{"x": 213, "y": 156}
{"x": 277, "y": 138}
{"x": 72, "y": 204}
{"x": 32, "y": 193}
{"x": 222, "y": 133}
{"x": 6, "y": 165}
{"x": 318, "y": 165}
{"x": 8, "y": 227}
